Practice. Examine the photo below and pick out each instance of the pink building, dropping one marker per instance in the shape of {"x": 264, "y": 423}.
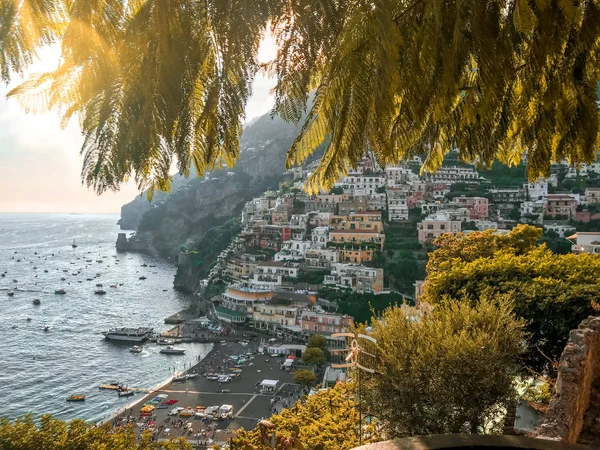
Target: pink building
{"x": 325, "y": 323}
{"x": 477, "y": 206}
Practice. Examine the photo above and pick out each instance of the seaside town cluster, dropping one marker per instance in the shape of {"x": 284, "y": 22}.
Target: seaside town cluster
{"x": 287, "y": 234}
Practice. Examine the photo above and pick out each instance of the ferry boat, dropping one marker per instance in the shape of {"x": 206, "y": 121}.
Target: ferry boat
{"x": 170, "y": 350}
{"x": 128, "y": 334}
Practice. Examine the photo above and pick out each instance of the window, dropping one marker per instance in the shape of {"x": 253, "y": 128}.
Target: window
{"x": 430, "y": 227}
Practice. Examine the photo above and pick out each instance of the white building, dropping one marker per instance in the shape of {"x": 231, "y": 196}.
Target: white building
{"x": 562, "y": 230}
{"x": 271, "y": 273}
{"x": 586, "y": 242}
{"x": 317, "y": 258}
{"x": 356, "y": 277}
{"x": 367, "y": 184}
{"x": 319, "y": 237}
{"x": 537, "y": 190}
{"x": 396, "y": 203}
{"x": 452, "y": 174}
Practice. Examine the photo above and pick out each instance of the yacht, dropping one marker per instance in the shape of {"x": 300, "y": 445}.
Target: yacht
{"x": 170, "y": 350}
{"x": 128, "y": 334}
{"x": 165, "y": 342}
{"x": 136, "y": 349}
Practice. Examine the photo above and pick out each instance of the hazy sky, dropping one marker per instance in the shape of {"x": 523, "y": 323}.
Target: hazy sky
{"x": 40, "y": 163}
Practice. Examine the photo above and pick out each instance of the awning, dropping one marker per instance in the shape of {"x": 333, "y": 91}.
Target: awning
{"x": 269, "y": 383}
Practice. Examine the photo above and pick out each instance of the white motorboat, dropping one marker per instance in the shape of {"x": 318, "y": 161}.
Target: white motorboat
{"x": 128, "y": 334}
{"x": 165, "y": 342}
{"x": 136, "y": 349}
{"x": 170, "y": 350}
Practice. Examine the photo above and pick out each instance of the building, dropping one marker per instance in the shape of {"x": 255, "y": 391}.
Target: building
{"x": 242, "y": 299}
{"x": 363, "y": 229}
{"x": 477, "y": 206}
{"x": 396, "y": 204}
{"x": 560, "y": 206}
{"x": 592, "y": 195}
{"x": 358, "y": 278}
{"x": 270, "y": 316}
{"x": 357, "y": 254}
{"x": 320, "y": 322}
{"x": 365, "y": 184}
{"x": 321, "y": 258}
{"x": 292, "y": 250}
{"x": 273, "y": 272}
{"x": 229, "y": 315}
{"x": 585, "y": 242}
{"x": 319, "y": 237}
{"x": 532, "y": 211}
{"x": 537, "y": 190}
{"x": 452, "y": 174}
{"x": 435, "y": 225}
{"x": 241, "y": 268}
{"x": 561, "y": 230}
{"x": 508, "y": 195}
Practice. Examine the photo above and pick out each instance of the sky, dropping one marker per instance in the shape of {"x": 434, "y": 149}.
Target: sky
{"x": 40, "y": 164}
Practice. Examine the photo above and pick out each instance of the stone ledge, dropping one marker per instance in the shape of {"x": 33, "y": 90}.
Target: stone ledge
{"x": 471, "y": 442}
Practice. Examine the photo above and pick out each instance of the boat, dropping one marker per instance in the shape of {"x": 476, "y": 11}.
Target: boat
{"x": 46, "y": 327}
{"x": 170, "y": 350}
{"x": 165, "y": 342}
{"x": 141, "y": 334}
{"x": 110, "y": 386}
{"x": 142, "y": 278}
{"x": 100, "y": 292}
{"x": 36, "y": 301}
{"x": 76, "y": 398}
{"x": 99, "y": 285}
{"x": 181, "y": 378}
{"x": 74, "y": 245}
{"x": 136, "y": 349}
{"x": 60, "y": 292}
{"x": 29, "y": 319}
{"x": 126, "y": 393}
{"x": 10, "y": 293}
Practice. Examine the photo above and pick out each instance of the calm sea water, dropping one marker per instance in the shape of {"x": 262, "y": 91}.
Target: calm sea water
{"x": 38, "y": 369}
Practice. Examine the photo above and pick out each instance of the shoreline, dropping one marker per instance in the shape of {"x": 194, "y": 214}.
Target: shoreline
{"x": 160, "y": 385}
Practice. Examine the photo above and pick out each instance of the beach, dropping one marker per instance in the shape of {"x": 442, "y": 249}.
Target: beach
{"x": 250, "y": 405}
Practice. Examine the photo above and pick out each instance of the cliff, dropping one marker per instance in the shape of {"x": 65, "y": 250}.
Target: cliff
{"x": 199, "y": 204}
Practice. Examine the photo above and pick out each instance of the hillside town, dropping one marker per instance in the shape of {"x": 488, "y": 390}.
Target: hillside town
{"x": 295, "y": 247}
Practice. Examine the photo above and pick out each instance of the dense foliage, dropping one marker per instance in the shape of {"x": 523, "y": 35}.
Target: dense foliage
{"x": 305, "y": 377}
{"x": 552, "y": 292}
{"x": 450, "y": 371}
{"x": 328, "y": 418}
{"x": 159, "y": 82}
{"x": 55, "y": 434}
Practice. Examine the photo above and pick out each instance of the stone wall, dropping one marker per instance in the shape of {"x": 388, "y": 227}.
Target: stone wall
{"x": 579, "y": 367}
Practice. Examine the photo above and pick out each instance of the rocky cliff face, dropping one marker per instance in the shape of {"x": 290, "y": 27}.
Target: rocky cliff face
{"x": 183, "y": 216}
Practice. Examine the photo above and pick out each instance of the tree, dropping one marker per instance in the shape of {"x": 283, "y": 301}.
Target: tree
{"x": 314, "y": 355}
{"x": 553, "y": 292}
{"x": 160, "y": 82}
{"x": 55, "y": 434}
{"x": 328, "y": 418}
{"x": 472, "y": 246}
{"x": 317, "y": 340}
{"x": 449, "y": 371}
{"x": 305, "y": 377}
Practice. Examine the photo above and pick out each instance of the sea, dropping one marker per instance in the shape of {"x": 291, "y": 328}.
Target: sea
{"x": 39, "y": 369}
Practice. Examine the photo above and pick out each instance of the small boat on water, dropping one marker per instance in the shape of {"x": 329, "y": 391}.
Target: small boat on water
{"x": 165, "y": 342}
{"x": 60, "y": 292}
{"x": 126, "y": 393}
{"x": 142, "y": 278}
{"x": 170, "y": 350}
{"x": 111, "y": 386}
{"x": 74, "y": 245}
{"x": 29, "y": 319}
{"x": 46, "y": 328}
{"x": 99, "y": 285}
{"x": 100, "y": 292}
{"x": 76, "y": 398}
{"x": 136, "y": 349}
{"x": 36, "y": 301}
{"x": 10, "y": 293}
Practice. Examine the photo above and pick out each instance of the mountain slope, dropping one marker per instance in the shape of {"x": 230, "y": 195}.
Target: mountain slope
{"x": 183, "y": 216}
